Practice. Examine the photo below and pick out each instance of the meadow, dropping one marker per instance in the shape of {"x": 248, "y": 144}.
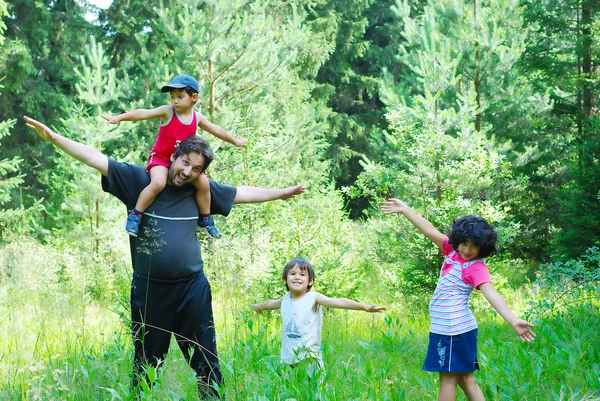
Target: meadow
{"x": 64, "y": 336}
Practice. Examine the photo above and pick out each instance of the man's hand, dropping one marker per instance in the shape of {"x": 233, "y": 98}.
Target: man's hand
{"x": 111, "y": 119}
{"x": 79, "y": 151}
{"x": 290, "y": 192}
{"x": 42, "y": 130}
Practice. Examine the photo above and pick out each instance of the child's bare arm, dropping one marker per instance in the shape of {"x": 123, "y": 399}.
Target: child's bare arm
{"x": 269, "y": 305}
{"x": 162, "y": 112}
{"x": 220, "y": 132}
{"x": 345, "y": 303}
{"x": 521, "y": 327}
{"x": 394, "y": 205}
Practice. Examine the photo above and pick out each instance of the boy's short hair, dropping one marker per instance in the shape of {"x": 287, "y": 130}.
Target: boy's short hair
{"x": 196, "y": 144}
{"x": 477, "y": 231}
{"x": 303, "y": 265}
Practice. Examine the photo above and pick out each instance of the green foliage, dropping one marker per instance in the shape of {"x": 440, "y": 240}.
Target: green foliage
{"x": 465, "y": 54}
{"x": 560, "y": 51}
{"x": 436, "y": 159}
{"x": 565, "y": 285}
{"x": 59, "y": 342}
{"x": 20, "y": 219}
{"x": 363, "y": 37}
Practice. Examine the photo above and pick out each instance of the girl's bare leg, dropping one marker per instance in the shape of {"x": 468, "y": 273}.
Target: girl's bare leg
{"x": 467, "y": 383}
{"x": 448, "y": 382}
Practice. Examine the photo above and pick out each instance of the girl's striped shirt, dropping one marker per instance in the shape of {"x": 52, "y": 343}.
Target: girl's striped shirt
{"x": 449, "y": 307}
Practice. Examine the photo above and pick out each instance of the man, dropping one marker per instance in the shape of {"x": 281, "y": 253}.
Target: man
{"x": 169, "y": 292}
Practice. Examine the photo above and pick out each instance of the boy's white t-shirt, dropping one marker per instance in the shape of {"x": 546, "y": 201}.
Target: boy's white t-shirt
{"x": 301, "y": 328}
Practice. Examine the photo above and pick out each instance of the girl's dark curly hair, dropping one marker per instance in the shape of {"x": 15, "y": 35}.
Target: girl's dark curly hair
{"x": 303, "y": 265}
{"x": 475, "y": 230}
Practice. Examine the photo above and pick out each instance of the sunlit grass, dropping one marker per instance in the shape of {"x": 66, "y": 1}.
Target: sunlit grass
{"x": 58, "y": 341}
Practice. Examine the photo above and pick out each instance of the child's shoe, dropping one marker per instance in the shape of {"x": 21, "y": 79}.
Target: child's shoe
{"x": 133, "y": 224}
{"x": 208, "y": 225}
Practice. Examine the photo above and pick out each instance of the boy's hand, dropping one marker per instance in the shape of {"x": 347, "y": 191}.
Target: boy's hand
{"x": 522, "y": 328}
{"x": 42, "y": 130}
{"x": 240, "y": 143}
{"x": 257, "y": 308}
{"x": 110, "y": 119}
{"x": 393, "y": 205}
{"x": 375, "y": 308}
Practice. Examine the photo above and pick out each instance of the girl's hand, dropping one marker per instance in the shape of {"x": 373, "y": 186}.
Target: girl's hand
{"x": 393, "y": 205}
{"x": 375, "y": 308}
{"x": 521, "y": 327}
{"x": 110, "y": 119}
{"x": 240, "y": 143}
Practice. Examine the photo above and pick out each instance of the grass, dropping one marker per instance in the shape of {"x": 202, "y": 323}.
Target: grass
{"x": 59, "y": 342}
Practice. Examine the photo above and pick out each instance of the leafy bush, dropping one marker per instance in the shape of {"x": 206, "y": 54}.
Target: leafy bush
{"x": 563, "y": 284}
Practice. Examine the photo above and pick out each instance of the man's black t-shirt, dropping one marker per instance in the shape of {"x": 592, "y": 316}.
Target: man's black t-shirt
{"x": 166, "y": 247}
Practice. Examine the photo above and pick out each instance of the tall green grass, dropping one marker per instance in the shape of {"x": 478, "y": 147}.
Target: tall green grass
{"x": 64, "y": 336}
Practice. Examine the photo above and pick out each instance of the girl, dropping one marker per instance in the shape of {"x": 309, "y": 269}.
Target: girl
{"x": 452, "y": 347}
{"x": 178, "y": 121}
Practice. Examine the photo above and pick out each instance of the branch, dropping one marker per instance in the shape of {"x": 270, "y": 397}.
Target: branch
{"x": 232, "y": 63}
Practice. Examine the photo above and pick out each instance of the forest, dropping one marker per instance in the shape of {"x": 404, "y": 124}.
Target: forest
{"x": 484, "y": 107}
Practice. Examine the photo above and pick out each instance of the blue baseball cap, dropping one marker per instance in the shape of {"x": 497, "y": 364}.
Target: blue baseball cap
{"x": 181, "y": 81}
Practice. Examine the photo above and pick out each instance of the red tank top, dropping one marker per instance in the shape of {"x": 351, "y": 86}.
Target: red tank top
{"x": 169, "y": 137}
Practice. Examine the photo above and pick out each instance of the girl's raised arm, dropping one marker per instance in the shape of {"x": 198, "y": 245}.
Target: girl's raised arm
{"x": 394, "y": 205}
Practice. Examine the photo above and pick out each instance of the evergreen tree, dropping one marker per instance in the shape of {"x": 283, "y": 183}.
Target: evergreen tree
{"x": 473, "y": 47}
{"x": 562, "y": 55}
{"x": 75, "y": 202}
{"x": 363, "y": 41}
{"x": 16, "y": 219}
{"x": 43, "y": 40}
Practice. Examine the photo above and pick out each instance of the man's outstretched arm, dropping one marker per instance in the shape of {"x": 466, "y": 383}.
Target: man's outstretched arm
{"x": 257, "y": 195}
{"x": 76, "y": 150}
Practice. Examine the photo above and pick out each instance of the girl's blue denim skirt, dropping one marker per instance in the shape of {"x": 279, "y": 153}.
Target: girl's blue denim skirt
{"x": 452, "y": 353}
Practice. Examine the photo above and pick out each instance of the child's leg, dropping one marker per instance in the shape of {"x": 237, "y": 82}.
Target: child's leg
{"x": 202, "y": 193}
{"x": 448, "y": 382}
{"x": 467, "y": 383}
{"x": 203, "y": 200}
{"x": 158, "y": 180}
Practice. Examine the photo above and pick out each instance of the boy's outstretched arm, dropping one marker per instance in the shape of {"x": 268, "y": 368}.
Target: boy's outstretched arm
{"x": 162, "y": 112}
{"x": 394, "y": 205}
{"x": 76, "y": 150}
{"x": 521, "y": 327}
{"x": 269, "y": 305}
{"x": 345, "y": 303}
{"x": 220, "y": 133}
{"x": 247, "y": 194}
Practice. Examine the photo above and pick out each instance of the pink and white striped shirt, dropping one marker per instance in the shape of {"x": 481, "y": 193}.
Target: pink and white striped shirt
{"x": 449, "y": 307}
